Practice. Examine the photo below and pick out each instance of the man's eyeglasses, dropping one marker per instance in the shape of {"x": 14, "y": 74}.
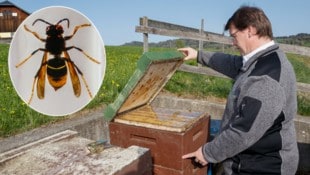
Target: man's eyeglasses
{"x": 234, "y": 35}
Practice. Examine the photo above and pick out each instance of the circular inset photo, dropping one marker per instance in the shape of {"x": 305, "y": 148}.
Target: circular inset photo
{"x": 57, "y": 61}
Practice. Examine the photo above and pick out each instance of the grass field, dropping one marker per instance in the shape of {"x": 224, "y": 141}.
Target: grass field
{"x": 16, "y": 116}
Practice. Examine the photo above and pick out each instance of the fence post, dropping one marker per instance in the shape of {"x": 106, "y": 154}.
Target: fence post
{"x": 223, "y": 45}
{"x": 201, "y": 31}
{"x": 145, "y": 35}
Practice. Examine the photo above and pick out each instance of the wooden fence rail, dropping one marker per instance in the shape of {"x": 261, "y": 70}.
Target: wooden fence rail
{"x": 149, "y": 26}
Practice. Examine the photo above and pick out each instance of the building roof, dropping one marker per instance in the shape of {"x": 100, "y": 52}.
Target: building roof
{"x": 10, "y": 4}
{"x": 6, "y": 3}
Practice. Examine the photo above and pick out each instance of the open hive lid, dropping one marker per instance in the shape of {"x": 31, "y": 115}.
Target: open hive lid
{"x": 133, "y": 104}
{"x": 154, "y": 69}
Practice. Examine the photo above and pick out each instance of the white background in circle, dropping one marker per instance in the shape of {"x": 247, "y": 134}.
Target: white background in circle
{"x": 63, "y": 101}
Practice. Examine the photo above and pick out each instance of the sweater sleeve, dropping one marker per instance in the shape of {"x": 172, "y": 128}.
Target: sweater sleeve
{"x": 258, "y": 108}
{"x": 226, "y": 64}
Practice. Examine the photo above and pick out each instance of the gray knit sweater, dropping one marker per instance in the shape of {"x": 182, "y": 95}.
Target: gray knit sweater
{"x": 257, "y": 132}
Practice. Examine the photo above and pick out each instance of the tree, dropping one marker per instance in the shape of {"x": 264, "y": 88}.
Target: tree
{"x": 179, "y": 43}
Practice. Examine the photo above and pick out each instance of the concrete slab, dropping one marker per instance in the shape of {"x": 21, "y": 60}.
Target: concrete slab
{"x": 67, "y": 153}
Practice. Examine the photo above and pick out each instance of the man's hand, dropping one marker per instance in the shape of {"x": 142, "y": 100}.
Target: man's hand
{"x": 189, "y": 53}
{"x": 198, "y": 157}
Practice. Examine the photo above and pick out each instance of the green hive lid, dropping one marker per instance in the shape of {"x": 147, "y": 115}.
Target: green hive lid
{"x": 154, "y": 69}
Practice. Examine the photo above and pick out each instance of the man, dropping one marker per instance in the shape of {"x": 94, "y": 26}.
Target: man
{"x": 257, "y": 131}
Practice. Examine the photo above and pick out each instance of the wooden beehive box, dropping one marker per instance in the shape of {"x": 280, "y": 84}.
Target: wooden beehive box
{"x": 169, "y": 133}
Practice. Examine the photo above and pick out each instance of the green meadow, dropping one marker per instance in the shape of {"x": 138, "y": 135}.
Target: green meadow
{"x": 16, "y": 116}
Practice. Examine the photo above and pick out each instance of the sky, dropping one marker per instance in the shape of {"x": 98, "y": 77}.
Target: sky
{"x": 116, "y": 19}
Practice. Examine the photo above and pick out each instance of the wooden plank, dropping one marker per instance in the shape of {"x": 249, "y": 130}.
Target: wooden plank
{"x": 144, "y": 22}
{"x": 168, "y": 29}
{"x": 205, "y": 36}
{"x": 165, "y": 25}
{"x": 295, "y": 49}
{"x": 160, "y": 118}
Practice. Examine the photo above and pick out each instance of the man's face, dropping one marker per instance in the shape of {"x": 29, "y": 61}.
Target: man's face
{"x": 238, "y": 39}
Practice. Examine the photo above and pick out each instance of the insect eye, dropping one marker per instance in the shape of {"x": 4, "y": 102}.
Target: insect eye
{"x": 59, "y": 27}
{"x": 47, "y": 28}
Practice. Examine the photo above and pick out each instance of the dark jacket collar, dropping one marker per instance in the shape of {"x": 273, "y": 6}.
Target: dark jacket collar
{"x": 255, "y": 57}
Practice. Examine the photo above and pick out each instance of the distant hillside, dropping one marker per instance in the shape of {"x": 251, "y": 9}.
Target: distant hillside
{"x": 301, "y": 39}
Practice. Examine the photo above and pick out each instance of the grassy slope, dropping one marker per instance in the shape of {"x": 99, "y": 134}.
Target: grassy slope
{"x": 16, "y": 116}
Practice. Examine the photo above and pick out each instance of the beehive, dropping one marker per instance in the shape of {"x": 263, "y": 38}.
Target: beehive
{"x": 169, "y": 133}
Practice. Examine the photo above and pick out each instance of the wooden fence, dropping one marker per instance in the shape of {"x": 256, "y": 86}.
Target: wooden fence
{"x": 149, "y": 26}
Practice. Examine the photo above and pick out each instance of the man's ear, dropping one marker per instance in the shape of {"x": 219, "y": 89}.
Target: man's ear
{"x": 251, "y": 31}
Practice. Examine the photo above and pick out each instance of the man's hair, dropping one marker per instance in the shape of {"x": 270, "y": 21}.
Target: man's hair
{"x": 247, "y": 16}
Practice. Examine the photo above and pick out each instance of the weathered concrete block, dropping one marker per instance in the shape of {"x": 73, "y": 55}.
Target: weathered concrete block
{"x": 67, "y": 153}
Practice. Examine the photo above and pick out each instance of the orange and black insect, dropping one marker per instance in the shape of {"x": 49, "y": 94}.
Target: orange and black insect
{"x": 56, "y": 68}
